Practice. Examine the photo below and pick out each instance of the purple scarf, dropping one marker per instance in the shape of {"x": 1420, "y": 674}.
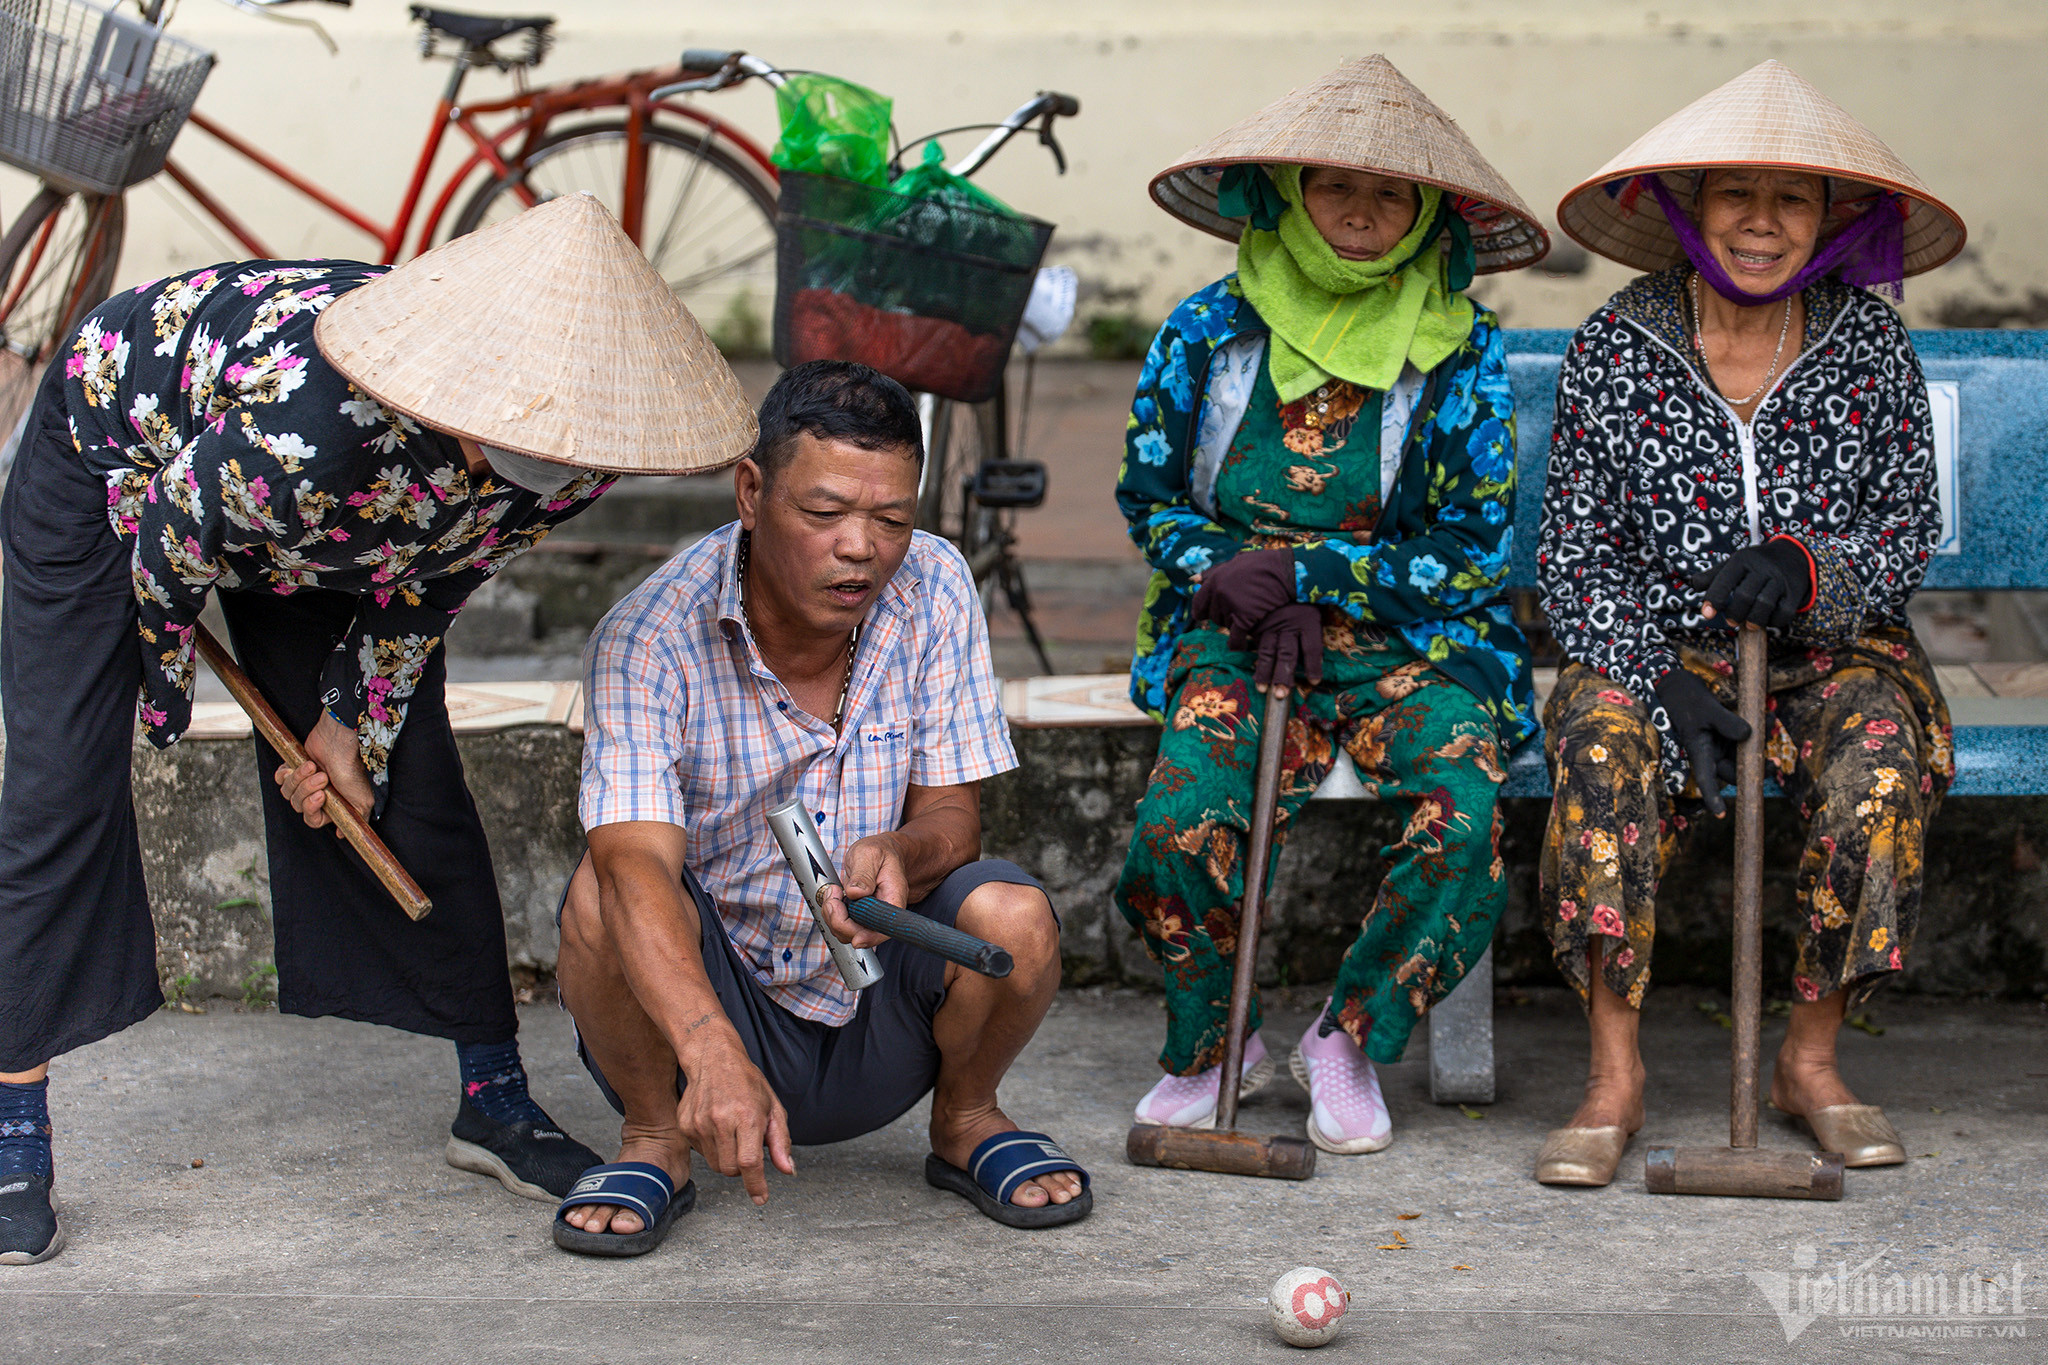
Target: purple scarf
{"x": 1871, "y": 251}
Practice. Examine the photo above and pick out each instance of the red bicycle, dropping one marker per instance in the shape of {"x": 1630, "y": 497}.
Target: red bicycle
{"x": 696, "y": 193}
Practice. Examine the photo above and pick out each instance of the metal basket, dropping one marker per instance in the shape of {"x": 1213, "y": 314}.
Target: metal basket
{"x": 929, "y": 293}
{"x": 91, "y": 99}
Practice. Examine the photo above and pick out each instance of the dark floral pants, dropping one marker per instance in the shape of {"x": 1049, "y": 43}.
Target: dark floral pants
{"x": 1417, "y": 738}
{"x": 1858, "y": 738}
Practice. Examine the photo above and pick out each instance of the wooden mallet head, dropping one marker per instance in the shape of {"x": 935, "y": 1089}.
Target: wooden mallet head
{"x": 1744, "y": 1172}
{"x": 1222, "y": 1150}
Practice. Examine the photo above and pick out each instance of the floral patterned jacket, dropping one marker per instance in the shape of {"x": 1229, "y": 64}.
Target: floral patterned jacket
{"x": 235, "y": 457}
{"x": 1652, "y": 481}
{"x": 1433, "y": 568}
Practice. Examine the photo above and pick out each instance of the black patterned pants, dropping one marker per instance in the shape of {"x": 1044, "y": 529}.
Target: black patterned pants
{"x": 1859, "y": 740}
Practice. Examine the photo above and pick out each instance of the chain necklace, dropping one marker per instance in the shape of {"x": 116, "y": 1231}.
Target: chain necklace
{"x": 1699, "y": 341}
{"x": 852, "y": 641}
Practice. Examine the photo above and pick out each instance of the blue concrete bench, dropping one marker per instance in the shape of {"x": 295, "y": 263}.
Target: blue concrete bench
{"x": 1990, "y": 396}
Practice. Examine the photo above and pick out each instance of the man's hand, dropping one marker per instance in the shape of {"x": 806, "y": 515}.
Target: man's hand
{"x": 727, "y": 1110}
{"x": 334, "y": 763}
{"x": 872, "y": 867}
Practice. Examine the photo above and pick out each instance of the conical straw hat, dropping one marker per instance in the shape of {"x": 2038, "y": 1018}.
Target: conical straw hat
{"x": 549, "y": 335}
{"x": 1767, "y": 116}
{"x": 1367, "y": 116}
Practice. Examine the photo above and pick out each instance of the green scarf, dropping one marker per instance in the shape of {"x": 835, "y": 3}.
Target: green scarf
{"x": 1355, "y": 320}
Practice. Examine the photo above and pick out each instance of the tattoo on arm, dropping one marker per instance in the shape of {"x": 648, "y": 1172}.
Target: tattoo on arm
{"x": 699, "y": 1022}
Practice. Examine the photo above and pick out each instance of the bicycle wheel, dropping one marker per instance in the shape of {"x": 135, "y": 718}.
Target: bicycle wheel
{"x": 708, "y": 221}
{"x": 57, "y": 264}
{"x": 962, "y": 436}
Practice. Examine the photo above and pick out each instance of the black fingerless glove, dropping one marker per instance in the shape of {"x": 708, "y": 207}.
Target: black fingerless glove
{"x": 1706, "y": 731}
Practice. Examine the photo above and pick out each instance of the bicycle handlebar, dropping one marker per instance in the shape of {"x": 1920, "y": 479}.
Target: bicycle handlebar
{"x": 1049, "y": 105}
{"x": 266, "y": 9}
{"x": 726, "y": 68}
{"x": 729, "y": 68}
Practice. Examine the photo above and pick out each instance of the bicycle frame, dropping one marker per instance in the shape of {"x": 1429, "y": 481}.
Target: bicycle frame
{"x": 534, "y": 110}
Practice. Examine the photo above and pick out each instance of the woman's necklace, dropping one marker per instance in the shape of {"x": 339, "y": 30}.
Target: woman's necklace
{"x": 852, "y": 641}
{"x": 1699, "y": 341}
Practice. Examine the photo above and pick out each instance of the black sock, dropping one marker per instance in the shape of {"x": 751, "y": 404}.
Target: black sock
{"x": 494, "y": 1081}
{"x": 25, "y": 1128}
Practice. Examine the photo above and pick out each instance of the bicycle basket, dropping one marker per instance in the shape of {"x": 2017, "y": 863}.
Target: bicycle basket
{"x": 926, "y": 291}
{"x": 90, "y": 99}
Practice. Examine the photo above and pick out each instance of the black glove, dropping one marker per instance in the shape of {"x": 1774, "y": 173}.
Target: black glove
{"x": 1290, "y": 643}
{"x": 1765, "y": 585}
{"x": 1244, "y": 590}
{"x": 1706, "y": 730}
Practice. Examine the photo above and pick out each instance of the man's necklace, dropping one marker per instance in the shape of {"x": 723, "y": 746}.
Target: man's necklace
{"x": 1699, "y": 341}
{"x": 852, "y": 641}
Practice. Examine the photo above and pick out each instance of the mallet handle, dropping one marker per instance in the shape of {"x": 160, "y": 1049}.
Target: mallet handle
{"x": 940, "y": 940}
{"x": 347, "y": 820}
{"x": 1265, "y": 802}
{"x": 1752, "y": 668}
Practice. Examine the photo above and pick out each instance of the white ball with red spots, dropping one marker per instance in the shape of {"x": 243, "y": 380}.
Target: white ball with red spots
{"x": 1308, "y": 1306}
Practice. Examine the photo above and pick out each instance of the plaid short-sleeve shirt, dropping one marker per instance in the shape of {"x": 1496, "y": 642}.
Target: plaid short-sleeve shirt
{"x": 684, "y": 723}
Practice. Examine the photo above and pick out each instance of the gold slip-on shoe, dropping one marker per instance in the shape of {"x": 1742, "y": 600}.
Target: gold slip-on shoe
{"x": 1581, "y": 1156}
{"x": 1860, "y": 1132}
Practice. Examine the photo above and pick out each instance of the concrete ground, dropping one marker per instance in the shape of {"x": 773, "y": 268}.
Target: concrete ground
{"x": 324, "y": 1226}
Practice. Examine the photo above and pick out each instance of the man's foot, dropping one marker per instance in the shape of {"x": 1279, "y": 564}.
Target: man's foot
{"x": 1801, "y": 1084}
{"x": 956, "y": 1133}
{"x": 529, "y": 1156}
{"x": 664, "y": 1150}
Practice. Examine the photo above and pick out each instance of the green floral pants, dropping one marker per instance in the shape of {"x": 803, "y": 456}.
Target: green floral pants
{"x": 1417, "y": 738}
{"x": 1858, "y": 738}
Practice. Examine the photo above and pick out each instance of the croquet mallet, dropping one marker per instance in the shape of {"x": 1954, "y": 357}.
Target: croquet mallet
{"x": 1223, "y": 1149}
{"x": 1743, "y": 1168}
{"x": 348, "y": 822}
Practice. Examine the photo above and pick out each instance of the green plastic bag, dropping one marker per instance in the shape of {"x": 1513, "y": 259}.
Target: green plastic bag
{"x": 833, "y": 127}
{"x": 937, "y": 209}
{"x": 931, "y": 180}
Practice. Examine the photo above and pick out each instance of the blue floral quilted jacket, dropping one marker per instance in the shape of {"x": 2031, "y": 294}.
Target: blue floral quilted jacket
{"x": 1434, "y": 567}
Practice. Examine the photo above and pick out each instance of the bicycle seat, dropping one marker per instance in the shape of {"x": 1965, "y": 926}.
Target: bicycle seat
{"x": 480, "y": 30}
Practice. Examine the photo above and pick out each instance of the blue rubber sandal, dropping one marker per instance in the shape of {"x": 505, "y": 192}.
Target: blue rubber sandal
{"x": 637, "y": 1185}
{"x": 999, "y": 1166}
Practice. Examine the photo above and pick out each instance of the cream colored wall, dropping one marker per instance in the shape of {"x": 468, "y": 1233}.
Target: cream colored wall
{"x": 1548, "y": 90}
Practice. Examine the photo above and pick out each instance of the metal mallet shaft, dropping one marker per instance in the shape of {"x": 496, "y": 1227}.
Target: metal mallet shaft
{"x": 811, "y": 864}
{"x": 347, "y": 822}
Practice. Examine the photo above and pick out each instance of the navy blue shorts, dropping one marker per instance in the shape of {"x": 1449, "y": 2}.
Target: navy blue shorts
{"x": 837, "y": 1083}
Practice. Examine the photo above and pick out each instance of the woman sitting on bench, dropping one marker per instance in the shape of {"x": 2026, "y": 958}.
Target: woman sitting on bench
{"x": 1742, "y": 436}
{"x": 1324, "y": 441}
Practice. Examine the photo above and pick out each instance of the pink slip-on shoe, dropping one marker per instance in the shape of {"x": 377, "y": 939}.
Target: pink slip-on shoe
{"x": 1347, "y": 1114}
{"x": 1190, "y": 1101}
